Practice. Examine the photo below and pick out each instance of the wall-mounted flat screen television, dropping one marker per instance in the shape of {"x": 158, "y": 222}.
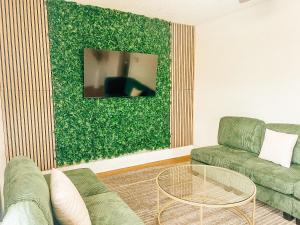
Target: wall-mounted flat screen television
{"x": 119, "y": 74}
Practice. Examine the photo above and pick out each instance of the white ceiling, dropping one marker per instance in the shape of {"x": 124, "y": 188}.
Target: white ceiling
{"x": 181, "y": 11}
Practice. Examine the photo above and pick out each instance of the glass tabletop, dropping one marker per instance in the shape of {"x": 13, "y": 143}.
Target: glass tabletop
{"x": 206, "y": 185}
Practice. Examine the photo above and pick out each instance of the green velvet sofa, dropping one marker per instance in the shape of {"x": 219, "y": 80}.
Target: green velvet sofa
{"x": 240, "y": 140}
{"x": 25, "y": 187}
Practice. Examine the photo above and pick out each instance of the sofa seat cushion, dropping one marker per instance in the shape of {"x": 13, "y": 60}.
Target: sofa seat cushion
{"x": 271, "y": 175}
{"x": 222, "y": 156}
{"x": 297, "y": 191}
{"x": 109, "y": 209}
{"x": 275, "y": 199}
{"x": 85, "y": 181}
{"x": 262, "y": 172}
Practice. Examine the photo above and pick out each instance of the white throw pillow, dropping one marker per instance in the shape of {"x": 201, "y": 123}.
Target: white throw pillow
{"x": 67, "y": 203}
{"x": 278, "y": 147}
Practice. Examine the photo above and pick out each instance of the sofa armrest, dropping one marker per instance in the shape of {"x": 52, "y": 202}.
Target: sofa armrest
{"x": 24, "y": 182}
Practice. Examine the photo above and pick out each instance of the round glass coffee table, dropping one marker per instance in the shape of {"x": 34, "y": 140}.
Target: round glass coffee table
{"x": 205, "y": 186}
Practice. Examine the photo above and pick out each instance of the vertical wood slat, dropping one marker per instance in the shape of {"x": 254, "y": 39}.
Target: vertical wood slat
{"x": 25, "y": 77}
{"x": 182, "y": 78}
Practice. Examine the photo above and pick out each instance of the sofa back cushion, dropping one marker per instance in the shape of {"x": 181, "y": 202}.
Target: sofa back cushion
{"x": 242, "y": 133}
{"x": 24, "y": 182}
{"x": 289, "y": 129}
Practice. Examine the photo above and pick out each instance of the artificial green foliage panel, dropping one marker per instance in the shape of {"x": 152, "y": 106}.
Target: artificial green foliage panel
{"x": 87, "y": 128}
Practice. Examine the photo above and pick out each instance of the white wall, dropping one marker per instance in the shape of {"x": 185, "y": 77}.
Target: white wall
{"x": 129, "y": 160}
{"x": 248, "y": 64}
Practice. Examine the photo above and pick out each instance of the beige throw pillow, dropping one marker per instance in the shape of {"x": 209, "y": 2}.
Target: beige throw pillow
{"x": 67, "y": 203}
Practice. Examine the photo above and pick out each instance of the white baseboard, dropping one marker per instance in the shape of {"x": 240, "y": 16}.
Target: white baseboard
{"x": 131, "y": 160}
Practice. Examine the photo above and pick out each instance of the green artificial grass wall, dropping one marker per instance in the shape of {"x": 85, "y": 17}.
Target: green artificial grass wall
{"x": 87, "y": 128}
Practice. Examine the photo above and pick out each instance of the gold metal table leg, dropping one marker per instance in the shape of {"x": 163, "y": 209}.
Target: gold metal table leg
{"x": 253, "y": 212}
{"x": 201, "y": 215}
{"x": 157, "y": 201}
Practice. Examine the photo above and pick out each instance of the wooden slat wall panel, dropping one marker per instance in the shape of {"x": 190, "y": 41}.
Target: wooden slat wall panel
{"x": 26, "y": 81}
{"x": 182, "y": 78}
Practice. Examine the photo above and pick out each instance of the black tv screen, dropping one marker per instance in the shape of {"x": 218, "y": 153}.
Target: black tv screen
{"x": 119, "y": 74}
